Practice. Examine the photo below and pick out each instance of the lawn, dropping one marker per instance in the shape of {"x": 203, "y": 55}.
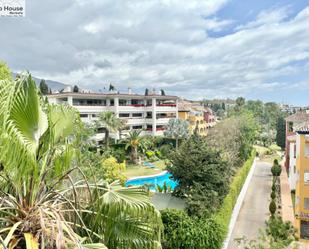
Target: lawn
{"x": 269, "y": 154}
{"x": 140, "y": 170}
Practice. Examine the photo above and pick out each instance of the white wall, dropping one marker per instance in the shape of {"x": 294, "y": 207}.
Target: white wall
{"x": 292, "y": 169}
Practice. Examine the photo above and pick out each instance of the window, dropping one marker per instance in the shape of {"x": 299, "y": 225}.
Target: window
{"x": 126, "y": 128}
{"x": 149, "y": 115}
{"x": 294, "y": 150}
{"x": 290, "y": 126}
{"x": 83, "y": 115}
{"x": 122, "y": 102}
{"x": 137, "y": 102}
{"x": 101, "y": 130}
{"x": 304, "y": 229}
{"x": 307, "y": 150}
{"x": 89, "y": 102}
{"x": 95, "y": 115}
{"x": 124, "y": 115}
{"x": 306, "y": 203}
{"x": 137, "y": 115}
{"x": 137, "y": 127}
{"x": 112, "y": 102}
{"x": 306, "y": 177}
{"x": 149, "y": 102}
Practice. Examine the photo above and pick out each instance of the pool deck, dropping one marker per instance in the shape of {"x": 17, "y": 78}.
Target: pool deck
{"x": 149, "y": 176}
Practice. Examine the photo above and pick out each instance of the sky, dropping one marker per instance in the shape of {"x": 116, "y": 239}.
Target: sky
{"x": 191, "y": 48}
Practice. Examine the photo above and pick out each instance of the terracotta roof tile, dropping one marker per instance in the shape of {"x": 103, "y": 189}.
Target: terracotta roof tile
{"x": 298, "y": 117}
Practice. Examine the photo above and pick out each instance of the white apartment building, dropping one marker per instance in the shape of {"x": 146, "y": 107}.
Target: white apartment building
{"x": 148, "y": 112}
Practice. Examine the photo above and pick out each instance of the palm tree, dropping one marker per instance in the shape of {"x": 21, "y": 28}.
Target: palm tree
{"x": 111, "y": 123}
{"x": 133, "y": 142}
{"x": 43, "y": 204}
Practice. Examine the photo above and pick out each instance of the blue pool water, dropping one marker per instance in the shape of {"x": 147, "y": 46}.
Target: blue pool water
{"x": 154, "y": 180}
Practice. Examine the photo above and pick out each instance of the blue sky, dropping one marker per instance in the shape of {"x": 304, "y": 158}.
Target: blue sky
{"x": 195, "y": 49}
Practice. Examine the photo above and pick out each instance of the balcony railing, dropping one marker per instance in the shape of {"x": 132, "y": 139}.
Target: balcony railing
{"x": 157, "y": 129}
{"x": 134, "y": 105}
{"x": 168, "y": 105}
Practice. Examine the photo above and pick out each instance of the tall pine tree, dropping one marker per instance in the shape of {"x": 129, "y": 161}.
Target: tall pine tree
{"x": 280, "y": 137}
{"x": 43, "y": 87}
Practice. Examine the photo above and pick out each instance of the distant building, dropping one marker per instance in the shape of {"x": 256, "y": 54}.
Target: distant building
{"x": 150, "y": 113}
{"x": 200, "y": 118}
{"x": 291, "y": 109}
{"x": 292, "y": 121}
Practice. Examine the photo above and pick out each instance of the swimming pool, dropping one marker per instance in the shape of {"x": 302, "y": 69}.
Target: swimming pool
{"x": 153, "y": 180}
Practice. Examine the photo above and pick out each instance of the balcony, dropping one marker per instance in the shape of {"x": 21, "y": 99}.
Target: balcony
{"x": 134, "y": 105}
{"x": 170, "y": 105}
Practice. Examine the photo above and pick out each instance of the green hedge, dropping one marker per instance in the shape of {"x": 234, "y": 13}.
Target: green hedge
{"x": 223, "y": 216}
{"x": 182, "y": 231}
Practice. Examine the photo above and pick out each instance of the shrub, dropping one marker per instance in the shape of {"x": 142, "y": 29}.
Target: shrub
{"x": 151, "y": 155}
{"x": 158, "y": 154}
{"x": 119, "y": 154}
{"x": 273, "y": 195}
{"x": 276, "y": 170}
{"x": 182, "y": 231}
{"x": 272, "y": 207}
{"x": 113, "y": 170}
{"x": 276, "y": 162}
{"x": 273, "y": 187}
{"x": 280, "y": 230}
{"x": 166, "y": 150}
{"x": 159, "y": 188}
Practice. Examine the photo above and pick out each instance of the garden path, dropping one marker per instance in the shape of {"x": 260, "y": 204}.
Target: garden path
{"x": 254, "y": 210}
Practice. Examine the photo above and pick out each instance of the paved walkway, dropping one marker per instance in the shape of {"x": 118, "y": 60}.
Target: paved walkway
{"x": 286, "y": 200}
{"x": 254, "y": 210}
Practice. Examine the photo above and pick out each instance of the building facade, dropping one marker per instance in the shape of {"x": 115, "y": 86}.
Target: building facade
{"x": 302, "y": 182}
{"x": 293, "y": 121}
{"x": 200, "y": 118}
{"x": 149, "y": 113}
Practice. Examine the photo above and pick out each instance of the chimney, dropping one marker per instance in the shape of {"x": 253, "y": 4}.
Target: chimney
{"x": 129, "y": 90}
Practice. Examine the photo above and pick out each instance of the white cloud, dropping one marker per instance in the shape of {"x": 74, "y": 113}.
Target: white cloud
{"x": 155, "y": 43}
{"x": 265, "y": 17}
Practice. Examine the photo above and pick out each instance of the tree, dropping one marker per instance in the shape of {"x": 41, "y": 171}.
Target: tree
{"x": 201, "y": 173}
{"x": 111, "y": 123}
{"x": 75, "y": 89}
{"x": 43, "y": 201}
{"x": 234, "y": 136}
{"x": 134, "y": 141}
{"x": 240, "y": 102}
{"x": 5, "y": 73}
{"x": 43, "y": 87}
{"x": 177, "y": 129}
{"x": 280, "y": 136}
{"x": 112, "y": 88}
